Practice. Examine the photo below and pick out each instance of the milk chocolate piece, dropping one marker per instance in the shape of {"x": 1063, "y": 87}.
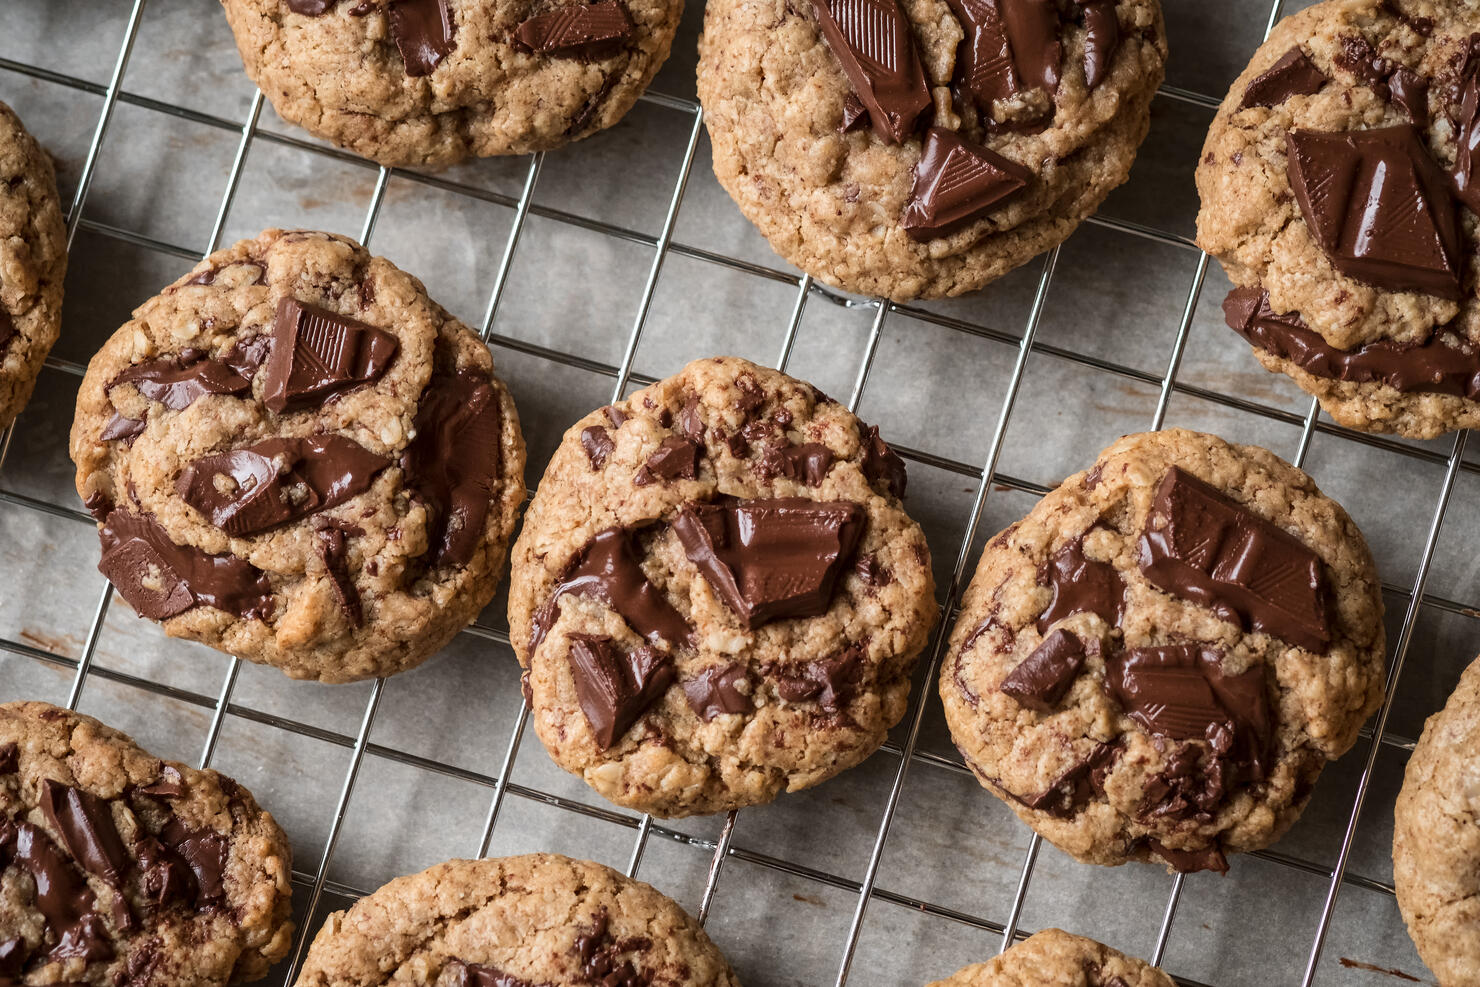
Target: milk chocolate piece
{"x": 1411, "y": 91}
{"x": 882, "y": 464}
{"x": 676, "y": 458}
{"x": 473, "y": 975}
{"x": 10, "y": 758}
{"x": 332, "y": 547}
{"x": 308, "y": 8}
{"x": 423, "y": 31}
{"x": 1467, "y": 131}
{"x": 1101, "y": 39}
{"x": 1379, "y": 207}
{"x": 86, "y": 827}
{"x": 1203, "y": 546}
{"x": 855, "y": 114}
{"x": 580, "y": 29}
{"x": 258, "y": 487}
{"x": 1080, "y": 585}
{"x": 807, "y": 463}
{"x": 616, "y": 687}
{"x": 1040, "y": 680}
{"x": 1191, "y": 861}
{"x": 1293, "y": 75}
{"x": 875, "y": 45}
{"x": 160, "y": 579}
{"x": 316, "y": 353}
{"x": 771, "y": 559}
{"x": 63, "y": 898}
{"x": 830, "y": 682}
{"x": 177, "y": 382}
{"x": 598, "y": 444}
{"x": 716, "y": 690}
{"x": 119, "y": 427}
{"x": 205, "y": 853}
{"x": 956, "y": 183}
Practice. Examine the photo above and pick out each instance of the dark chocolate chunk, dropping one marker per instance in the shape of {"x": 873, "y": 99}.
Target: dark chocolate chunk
{"x": 332, "y": 547}
{"x": 119, "y": 427}
{"x": 1203, "y": 546}
{"x": 615, "y": 688}
{"x": 956, "y": 183}
{"x": 473, "y": 975}
{"x": 1467, "y": 132}
{"x": 882, "y": 464}
{"x": 1033, "y": 32}
{"x": 614, "y": 415}
{"x": 600, "y": 956}
{"x": 7, "y": 330}
{"x": 1379, "y": 207}
{"x": 1411, "y": 91}
{"x": 160, "y": 579}
{"x": 1191, "y": 861}
{"x": 308, "y": 8}
{"x": 1040, "y": 680}
{"x": 807, "y": 463}
{"x": 830, "y": 682}
{"x": 771, "y": 559}
{"x": 205, "y": 853}
{"x": 1293, "y": 75}
{"x": 1010, "y": 46}
{"x": 86, "y": 827}
{"x": 1358, "y": 57}
{"x": 169, "y": 785}
{"x": 249, "y": 490}
{"x": 13, "y": 955}
{"x": 1072, "y": 789}
{"x": 10, "y": 758}
{"x": 598, "y": 444}
{"x": 99, "y": 505}
{"x": 875, "y": 45}
{"x": 246, "y": 356}
{"x": 316, "y": 353}
{"x": 855, "y": 114}
{"x": 716, "y": 690}
{"x": 177, "y": 382}
{"x": 1080, "y": 585}
{"x": 690, "y": 420}
{"x": 579, "y": 29}
{"x": 872, "y": 571}
{"x": 1101, "y": 39}
{"x": 63, "y": 898}
{"x": 676, "y": 458}
{"x": 423, "y": 31}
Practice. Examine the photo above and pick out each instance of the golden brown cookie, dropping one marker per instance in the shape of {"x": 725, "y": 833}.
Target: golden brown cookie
{"x": 1054, "y": 958}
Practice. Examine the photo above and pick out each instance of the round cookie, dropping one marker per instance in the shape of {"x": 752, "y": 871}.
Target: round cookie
{"x": 1436, "y": 838}
{"x": 1158, "y": 660}
{"x": 295, "y": 456}
{"x": 122, "y": 868}
{"x": 717, "y": 594}
{"x": 432, "y": 82}
{"x": 1054, "y": 958}
{"x": 33, "y": 263}
{"x": 1339, "y": 192}
{"x": 536, "y": 919}
{"x": 999, "y": 127}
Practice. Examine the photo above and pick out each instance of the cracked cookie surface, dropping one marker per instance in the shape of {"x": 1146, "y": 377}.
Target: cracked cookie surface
{"x": 1054, "y": 958}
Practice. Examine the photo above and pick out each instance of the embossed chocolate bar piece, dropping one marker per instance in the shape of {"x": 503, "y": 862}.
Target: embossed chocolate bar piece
{"x": 875, "y": 45}
{"x": 956, "y": 183}
{"x": 316, "y": 353}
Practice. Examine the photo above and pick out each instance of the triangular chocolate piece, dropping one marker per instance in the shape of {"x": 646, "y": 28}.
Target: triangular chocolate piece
{"x": 616, "y": 687}
{"x": 955, "y": 183}
{"x": 1293, "y": 75}
{"x": 984, "y": 68}
{"x": 316, "y": 353}
{"x": 581, "y": 29}
{"x": 875, "y": 45}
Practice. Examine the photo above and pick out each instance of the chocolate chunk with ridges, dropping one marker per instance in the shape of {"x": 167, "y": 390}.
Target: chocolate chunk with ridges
{"x": 716, "y": 690}
{"x": 1040, "y": 680}
{"x": 677, "y": 458}
{"x": 160, "y": 579}
{"x": 807, "y": 463}
{"x": 424, "y": 33}
{"x": 177, "y": 383}
{"x": 771, "y": 559}
{"x": 1203, "y": 546}
{"x": 454, "y": 461}
{"x": 956, "y": 183}
{"x": 875, "y": 46}
{"x": 580, "y": 29}
{"x": 607, "y": 568}
{"x": 1101, "y": 39}
{"x": 316, "y": 353}
{"x": 10, "y": 758}
{"x": 881, "y": 463}
{"x": 855, "y": 114}
{"x": 205, "y": 853}
{"x": 1411, "y": 91}
{"x": 1080, "y": 585}
{"x": 331, "y": 545}
{"x": 1378, "y": 206}
{"x": 63, "y": 898}
{"x": 473, "y": 975}
{"x": 119, "y": 427}
{"x": 1191, "y": 861}
{"x": 984, "y": 65}
{"x": 86, "y": 827}
{"x": 308, "y": 8}
{"x": 616, "y": 687}
{"x": 830, "y": 682}
{"x": 598, "y": 444}
{"x": 169, "y": 785}
{"x": 253, "y": 489}
{"x": 1467, "y": 131}
{"x": 1293, "y": 75}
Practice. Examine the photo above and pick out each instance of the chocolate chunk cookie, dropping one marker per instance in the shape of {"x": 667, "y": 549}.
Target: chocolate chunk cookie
{"x": 119, "y": 868}
{"x": 1436, "y": 839}
{"x": 1053, "y": 958}
{"x": 1158, "y": 660}
{"x": 297, "y": 457}
{"x": 33, "y": 263}
{"x": 717, "y": 594}
{"x": 1339, "y": 192}
{"x": 921, "y": 148}
{"x": 431, "y": 82}
{"x": 515, "y": 922}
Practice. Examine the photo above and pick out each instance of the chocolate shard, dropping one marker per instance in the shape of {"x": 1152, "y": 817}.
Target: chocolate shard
{"x": 424, "y": 33}
{"x": 1379, "y": 207}
{"x": 66, "y": 903}
{"x": 598, "y": 444}
{"x": 691, "y": 420}
{"x": 830, "y": 682}
{"x": 256, "y": 488}
{"x": 882, "y": 464}
{"x": 956, "y": 183}
{"x": 771, "y": 559}
{"x": 984, "y": 63}
{"x": 332, "y": 547}
{"x": 85, "y": 824}
{"x": 169, "y": 785}
{"x": 1191, "y": 861}
{"x": 10, "y": 758}
{"x": 1080, "y": 585}
{"x": 1040, "y": 680}
{"x": 677, "y": 458}
{"x": 1411, "y": 91}
{"x": 1072, "y": 789}
{"x": 807, "y": 463}
{"x": 875, "y": 45}
{"x": 474, "y": 975}
{"x": 308, "y": 8}
{"x": 580, "y": 29}
{"x": 316, "y": 353}
{"x": 206, "y": 853}
{"x": 1033, "y": 32}
{"x": 165, "y": 876}
{"x": 7, "y": 330}
{"x": 1203, "y": 546}
{"x": 13, "y": 956}
{"x": 1101, "y": 39}
{"x": 119, "y": 427}
{"x": 455, "y": 459}
{"x": 716, "y": 691}
{"x": 160, "y": 579}
{"x": 616, "y": 687}
{"x": 1466, "y": 173}
{"x": 1293, "y": 75}
{"x": 855, "y": 114}
{"x": 177, "y": 382}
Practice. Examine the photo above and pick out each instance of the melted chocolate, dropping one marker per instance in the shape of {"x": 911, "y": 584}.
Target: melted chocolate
{"x": 616, "y": 687}
{"x": 63, "y": 898}
{"x": 177, "y": 382}
{"x": 1411, "y": 91}
{"x": 1101, "y": 39}
{"x": 119, "y": 427}
{"x": 316, "y": 353}
{"x": 716, "y": 690}
{"x": 882, "y": 464}
{"x": 332, "y": 547}
{"x": 169, "y": 785}
{"x": 600, "y": 956}
{"x": 424, "y": 32}
{"x": 85, "y": 824}
{"x": 473, "y": 975}
{"x": 830, "y": 682}
{"x": 1191, "y": 861}
{"x": 875, "y": 45}
{"x": 1080, "y": 585}
{"x": 598, "y": 444}
{"x": 160, "y": 579}
{"x": 1466, "y": 173}
{"x": 205, "y": 853}
{"x": 956, "y": 183}
{"x": 807, "y": 463}
{"x": 581, "y": 29}
{"x": 1040, "y": 680}
{"x": 1293, "y": 75}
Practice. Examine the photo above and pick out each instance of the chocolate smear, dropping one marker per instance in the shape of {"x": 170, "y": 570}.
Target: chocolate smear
{"x": 875, "y": 45}
{"x": 316, "y": 353}
{"x": 616, "y": 687}
{"x": 598, "y": 444}
{"x": 1040, "y": 680}
{"x": 160, "y": 579}
{"x": 580, "y": 29}
{"x": 1293, "y": 75}
{"x": 423, "y": 31}
{"x": 956, "y": 183}
{"x": 1080, "y": 585}
{"x": 716, "y": 690}
{"x": 85, "y": 824}
{"x": 677, "y": 458}
{"x": 177, "y": 382}
{"x": 855, "y": 114}
{"x": 1411, "y": 91}
{"x": 63, "y": 898}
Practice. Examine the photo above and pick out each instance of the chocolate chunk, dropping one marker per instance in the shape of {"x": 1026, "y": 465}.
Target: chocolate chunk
{"x": 160, "y": 579}
{"x": 1191, "y": 861}
{"x": 10, "y": 758}
{"x": 716, "y": 690}
{"x": 807, "y": 463}
{"x": 423, "y": 31}
{"x": 1411, "y": 92}
{"x": 1010, "y": 46}
{"x": 1358, "y": 57}
{"x": 246, "y": 356}
{"x": 882, "y": 464}
{"x": 956, "y": 183}
{"x": 600, "y": 955}
{"x": 332, "y": 548}
{"x": 875, "y": 45}
{"x": 308, "y": 8}
{"x": 63, "y": 898}
{"x": 85, "y": 824}
{"x": 676, "y": 458}
{"x": 1467, "y": 132}
{"x": 316, "y": 353}
{"x": 615, "y": 688}
{"x": 13, "y": 954}
{"x": 177, "y": 383}
{"x": 205, "y": 853}
{"x": 1293, "y": 75}
{"x": 580, "y": 29}
{"x": 454, "y": 461}
{"x": 169, "y": 785}
{"x": 1040, "y": 680}
{"x": 473, "y": 975}
{"x": 256, "y": 488}
{"x": 598, "y": 444}
{"x": 165, "y": 876}
{"x": 1033, "y": 31}
{"x": 1071, "y": 790}
{"x": 1379, "y": 207}
{"x": 119, "y": 427}
{"x": 1101, "y": 39}
{"x": 607, "y": 568}
{"x": 771, "y": 559}
{"x": 99, "y": 505}
{"x": 872, "y": 571}
{"x": 691, "y": 420}
{"x": 830, "y": 682}
{"x": 855, "y": 114}
{"x": 7, "y": 330}
{"x": 1080, "y": 585}
{"x": 1203, "y": 546}
{"x": 614, "y": 415}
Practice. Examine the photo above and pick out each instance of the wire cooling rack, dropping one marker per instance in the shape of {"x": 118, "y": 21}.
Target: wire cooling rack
{"x": 855, "y": 893}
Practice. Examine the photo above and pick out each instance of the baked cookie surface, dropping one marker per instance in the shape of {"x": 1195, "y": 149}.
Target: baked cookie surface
{"x": 1158, "y": 660}
{"x": 154, "y": 874}
{"x": 431, "y": 82}
{"x": 295, "y": 456}
{"x": 1436, "y": 838}
{"x": 1339, "y": 190}
{"x": 717, "y": 594}
{"x": 504, "y": 922}
{"x": 988, "y": 131}
{"x": 33, "y": 263}
{"x": 1054, "y": 958}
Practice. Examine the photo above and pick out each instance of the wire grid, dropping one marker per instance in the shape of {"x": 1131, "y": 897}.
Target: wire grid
{"x": 624, "y": 374}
